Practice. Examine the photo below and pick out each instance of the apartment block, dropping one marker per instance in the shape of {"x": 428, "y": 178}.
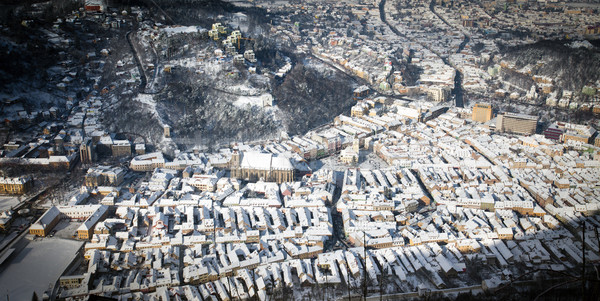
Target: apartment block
{"x": 482, "y": 112}
{"x": 517, "y": 123}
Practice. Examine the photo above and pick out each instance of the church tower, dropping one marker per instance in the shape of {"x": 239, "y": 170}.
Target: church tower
{"x": 234, "y": 164}
{"x": 356, "y": 145}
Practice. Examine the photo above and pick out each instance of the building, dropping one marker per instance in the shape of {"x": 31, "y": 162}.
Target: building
{"x": 553, "y": 132}
{"x": 73, "y": 281}
{"x": 19, "y": 185}
{"x": 359, "y": 109}
{"x": 97, "y": 6}
{"x": 147, "y": 162}
{"x": 349, "y": 156}
{"x": 86, "y": 229}
{"x": 250, "y": 56}
{"x": 255, "y": 166}
{"x": 87, "y": 151}
{"x": 91, "y": 213}
{"x": 267, "y": 100}
{"x": 565, "y": 132}
{"x": 517, "y": 123}
{"x": 46, "y": 222}
{"x": 578, "y": 133}
{"x": 121, "y": 148}
{"x": 140, "y": 149}
{"x": 592, "y": 30}
{"x": 167, "y": 131}
{"x": 102, "y": 175}
{"x": 6, "y": 219}
{"x": 361, "y": 92}
{"x": 482, "y": 112}
{"x": 438, "y": 93}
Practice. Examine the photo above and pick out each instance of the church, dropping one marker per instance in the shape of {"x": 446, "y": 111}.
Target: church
{"x": 254, "y": 166}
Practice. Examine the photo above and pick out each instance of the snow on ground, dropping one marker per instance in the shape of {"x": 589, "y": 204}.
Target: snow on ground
{"x": 244, "y": 89}
{"x": 172, "y": 30}
{"x": 579, "y": 44}
{"x": 212, "y": 68}
{"x": 243, "y": 26}
{"x": 240, "y": 3}
{"x": 369, "y": 161}
{"x": 34, "y": 97}
{"x": 185, "y": 62}
{"x": 36, "y": 267}
{"x": 147, "y": 99}
{"x": 248, "y": 100}
{"x": 66, "y": 228}
{"x": 7, "y": 202}
{"x": 317, "y": 65}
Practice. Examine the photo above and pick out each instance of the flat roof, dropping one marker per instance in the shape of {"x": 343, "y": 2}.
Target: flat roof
{"x": 521, "y": 116}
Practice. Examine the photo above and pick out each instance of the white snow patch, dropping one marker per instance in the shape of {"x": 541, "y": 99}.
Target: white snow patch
{"x": 249, "y": 100}
{"x": 146, "y": 99}
{"x": 149, "y": 100}
{"x": 243, "y": 89}
{"x": 580, "y": 44}
{"x": 172, "y": 30}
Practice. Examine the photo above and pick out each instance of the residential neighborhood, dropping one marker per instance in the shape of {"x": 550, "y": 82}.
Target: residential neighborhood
{"x": 157, "y": 157}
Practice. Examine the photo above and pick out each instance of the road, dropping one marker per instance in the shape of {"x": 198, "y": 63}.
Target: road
{"x": 341, "y": 69}
{"x": 412, "y": 295}
{"x": 143, "y": 79}
{"x": 443, "y": 292}
{"x": 338, "y": 223}
{"x": 138, "y": 61}
{"x": 457, "y": 91}
{"x": 330, "y": 64}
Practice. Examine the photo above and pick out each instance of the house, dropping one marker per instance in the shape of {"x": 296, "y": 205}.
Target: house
{"x": 96, "y": 6}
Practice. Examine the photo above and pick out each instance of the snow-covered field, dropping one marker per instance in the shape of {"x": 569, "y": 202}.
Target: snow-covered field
{"x": 172, "y": 30}
{"x": 249, "y": 100}
{"x": 36, "y": 267}
{"x": 147, "y": 99}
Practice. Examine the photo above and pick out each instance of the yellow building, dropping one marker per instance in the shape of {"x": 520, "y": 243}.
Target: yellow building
{"x": 46, "y": 222}
{"x": 358, "y": 110}
{"x": 349, "y": 156}
{"x": 72, "y": 282}
{"x": 505, "y": 233}
{"x": 570, "y": 136}
{"x": 147, "y": 162}
{"x": 482, "y": 112}
{"x": 517, "y": 123}
{"x": 19, "y": 185}
{"x": 86, "y": 229}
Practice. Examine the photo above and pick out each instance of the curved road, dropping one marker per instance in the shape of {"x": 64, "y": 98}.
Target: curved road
{"x": 457, "y": 91}
{"x": 330, "y": 64}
